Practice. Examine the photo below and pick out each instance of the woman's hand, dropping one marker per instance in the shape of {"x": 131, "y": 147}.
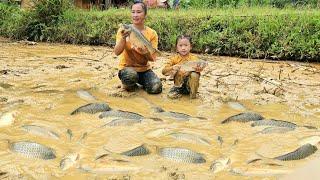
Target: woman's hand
{"x": 125, "y": 33}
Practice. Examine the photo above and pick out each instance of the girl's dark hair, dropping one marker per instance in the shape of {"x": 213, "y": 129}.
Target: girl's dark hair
{"x": 183, "y": 36}
{"x": 143, "y": 5}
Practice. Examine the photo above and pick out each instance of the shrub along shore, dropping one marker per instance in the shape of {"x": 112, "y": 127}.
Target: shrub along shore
{"x": 286, "y": 34}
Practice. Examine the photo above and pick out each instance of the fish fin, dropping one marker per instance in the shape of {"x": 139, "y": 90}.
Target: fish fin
{"x": 266, "y": 160}
{"x": 157, "y": 52}
{"x": 258, "y": 157}
{"x": 101, "y": 156}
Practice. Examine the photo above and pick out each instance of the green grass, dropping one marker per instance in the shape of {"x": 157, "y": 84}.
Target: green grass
{"x": 257, "y": 32}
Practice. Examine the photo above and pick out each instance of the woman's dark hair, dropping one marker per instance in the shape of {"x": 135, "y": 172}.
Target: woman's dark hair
{"x": 143, "y": 5}
{"x": 183, "y": 36}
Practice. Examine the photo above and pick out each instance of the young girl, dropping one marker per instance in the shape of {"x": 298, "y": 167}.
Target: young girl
{"x": 185, "y": 82}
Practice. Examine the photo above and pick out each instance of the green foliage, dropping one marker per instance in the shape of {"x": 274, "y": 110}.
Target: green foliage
{"x": 255, "y": 32}
{"x": 248, "y": 3}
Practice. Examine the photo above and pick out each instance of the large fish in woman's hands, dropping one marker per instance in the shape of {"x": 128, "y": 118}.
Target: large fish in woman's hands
{"x": 138, "y": 38}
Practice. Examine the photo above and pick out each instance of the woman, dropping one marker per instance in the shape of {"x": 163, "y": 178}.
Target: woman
{"x": 134, "y": 61}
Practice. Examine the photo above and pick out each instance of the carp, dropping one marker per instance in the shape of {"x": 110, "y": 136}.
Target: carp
{"x": 92, "y": 108}
{"x": 32, "y": 150}
{"x": 139, "y": 39}
{"x": 243, "y": 117}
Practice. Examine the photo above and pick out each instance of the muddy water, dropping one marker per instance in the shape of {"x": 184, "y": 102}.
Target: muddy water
{"x": 40, "y": 82}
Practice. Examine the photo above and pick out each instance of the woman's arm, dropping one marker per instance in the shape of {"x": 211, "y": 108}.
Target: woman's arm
{"x": 120, "y": 41}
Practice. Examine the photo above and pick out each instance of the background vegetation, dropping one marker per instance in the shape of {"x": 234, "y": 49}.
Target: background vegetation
{"x": 254, "y": 32}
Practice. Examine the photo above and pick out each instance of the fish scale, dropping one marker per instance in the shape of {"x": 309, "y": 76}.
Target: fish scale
{"x": 32, "y": 150}
{"x": 92, "y": 108}
{"x": 138, "y": 151}
{"x": 244, "y": 117}
{"x": 274, "y": 122}
{"x": 40, "y": 130}
{"x": 300, "y": 153}
{"x": 140, "y": 38}
{"x": 121, "y": 114}
{"x": 270, "y": 130}
{"x": 182, "y": 155}
{"x": 123, "y": 122}
{"x": 189, "y": 137}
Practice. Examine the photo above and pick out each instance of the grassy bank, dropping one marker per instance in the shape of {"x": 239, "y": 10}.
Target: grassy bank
{"x": 246, "y": 32}
{"x": 249, "y": 3}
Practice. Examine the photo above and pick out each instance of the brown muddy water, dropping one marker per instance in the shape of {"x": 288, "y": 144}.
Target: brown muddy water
{"x": 40, "y": 82}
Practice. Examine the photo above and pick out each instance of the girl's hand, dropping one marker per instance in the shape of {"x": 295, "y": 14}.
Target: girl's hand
{"x": 176, "y": 67}
{"x": 198, "y": 68}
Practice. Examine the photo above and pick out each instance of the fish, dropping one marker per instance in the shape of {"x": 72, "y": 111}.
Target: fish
{"x": 85, "y": 95}
{"x": 40, "y": 131}
{"x": 123, "y": 122}
{"x": 5, "y": 85}
{"x": 121, "y": 114}
{"x": 92, "y": 108}
{"x": 139, "y": 39}
{"x": 300, "y": 153}
{"x": 243, "y": 117}
{"x": 190, "y": 138}
{"x": 69, "y": 160}
{"x": 176, "y": 115}
{"x": 190, "y": 65}
{"x": 32, "y": 150}
{"x": 270, "y": 130}
{"x": 172, "y": 114}
{"x": 259, "y": 172}
{"x": 236, "y": 105}
{"x": 7, "y": 118}
{"x": 309, "y": 127}
{"x": 138, "y": 151}
{"x": 158, "y": 132}
{"x": 185, "y": 69}
{"x": 274, "y": 122}
{"x": 109, "y": 170}
{"x": 181, "y": 155}
{"x": 220, "y": 164}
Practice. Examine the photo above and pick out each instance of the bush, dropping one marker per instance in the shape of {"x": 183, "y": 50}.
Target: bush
{"x": 280, "y": 34}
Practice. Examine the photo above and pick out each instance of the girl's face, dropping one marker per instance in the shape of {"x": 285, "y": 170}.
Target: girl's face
{"x": 183, "y": 46}
{"x": 137, "y": 14}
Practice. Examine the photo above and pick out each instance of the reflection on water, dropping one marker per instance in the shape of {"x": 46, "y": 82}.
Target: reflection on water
{"x": 43, "y": 95}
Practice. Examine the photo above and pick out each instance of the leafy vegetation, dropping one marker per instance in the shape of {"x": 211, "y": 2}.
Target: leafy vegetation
{"x": 248, "y": 3}
{"x": 255, "y": 32}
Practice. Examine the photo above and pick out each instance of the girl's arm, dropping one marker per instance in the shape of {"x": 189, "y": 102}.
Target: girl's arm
{"x": 169, "y": 67}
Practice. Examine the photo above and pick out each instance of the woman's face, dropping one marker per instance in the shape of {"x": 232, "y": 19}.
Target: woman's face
{"x": 137, "y": 14}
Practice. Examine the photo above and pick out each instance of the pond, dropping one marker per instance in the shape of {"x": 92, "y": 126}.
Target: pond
{"x": 40, "y": 83}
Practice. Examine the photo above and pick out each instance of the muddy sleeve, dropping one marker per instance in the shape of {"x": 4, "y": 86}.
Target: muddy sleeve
{"x": 168, "y": 66}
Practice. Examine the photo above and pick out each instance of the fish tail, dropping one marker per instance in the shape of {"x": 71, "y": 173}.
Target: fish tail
{"x": 258, "y": 158}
